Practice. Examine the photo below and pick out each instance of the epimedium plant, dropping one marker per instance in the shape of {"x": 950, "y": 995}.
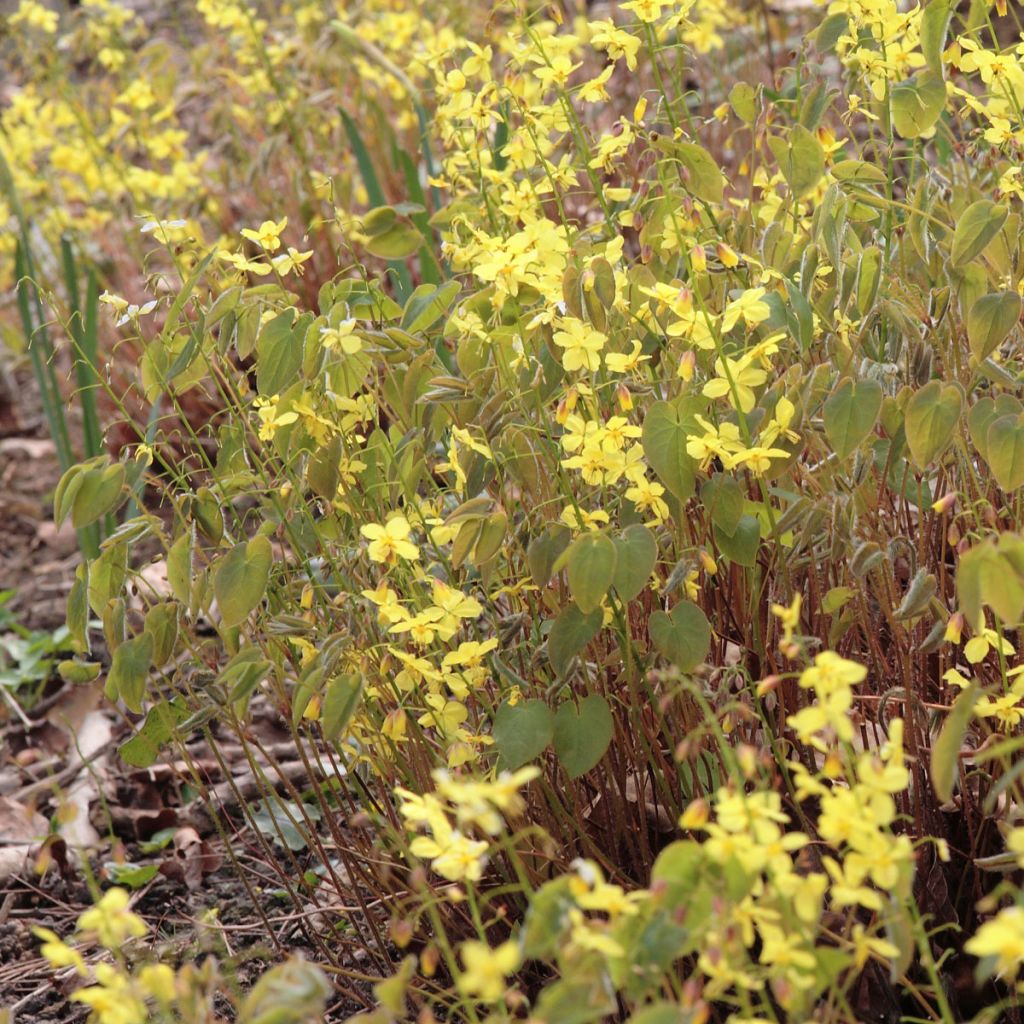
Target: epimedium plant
{"x": 608, "y": 496}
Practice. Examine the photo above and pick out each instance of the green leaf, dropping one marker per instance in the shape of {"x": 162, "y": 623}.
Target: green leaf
{"x": 743, "y": 98}
{"x": 339, "y": 705}
{"x": 545, "y": 550}
{"x": 977, "y": 226}
{"x": 582, "y": 734}
{"x": 570, "y": 633}
{"x": 522, "y": 732}
{"x": 677, "y": 871}
{"x": 850, "y": 414}
{"x": 78, "y": 672}
{"x": 1005, "y": 447}
{"x": 143, "y": 749}
{"x": 741, "y": 545}
{"x": 722, "y": 497}
{"x": 931, "y": 417}
{"x": 935, "y": 21}
{"x": 133, "y": 876}
{"x": 241, "y": 578}
{"x": 427, "y": 305}
{"x": 683, "y": 636}
{"x": 99, "y": 491}
{"x": 636, "y": 555}
{"x": 323, "y": 471}
{"x": 162, "y": 622}
{"x": 661, "y": 1013}
{"x": 946, "y": 749}
{"x": 703, "y": 177}
{"x": 917, "y": 103}
{"x": 129, "y": 670}
{"x": 801, "y": 159}
{"x": 664, "y": 444}
{"x": 990, "y": 321}
{"x": 278, "y": 356}
{"x": 984, "y": 413}
{"x": 591, "y": 569}
{"x": 836, "y": 598}
{"x": 397, "y": 243}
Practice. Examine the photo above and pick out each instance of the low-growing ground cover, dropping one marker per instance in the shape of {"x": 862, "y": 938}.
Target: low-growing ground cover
{"x": 570, "y": 459}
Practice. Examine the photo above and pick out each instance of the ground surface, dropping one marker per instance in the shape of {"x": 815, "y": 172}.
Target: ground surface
{"x": 60, "y": 776}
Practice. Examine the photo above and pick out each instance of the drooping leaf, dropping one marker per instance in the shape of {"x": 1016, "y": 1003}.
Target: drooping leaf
{"x": 129, "y": 671}
{"x": 931, "y": 417}
{"x": 977, "y": 226}
{"x": 945, "y": 759}
{"x": 570, "y": 633}
{"x": 683, "y": 636}
{"x": 240, "y": 579}
{"x": 522, "y": 731}
{"x": 143, "y": 749}
{"x": 990, "y": 321}
{"x": 636, "y": 555}
{"x": 800, "y": 157}
{"x": 664, "y": 443}
{"x": 917, "y": 104}
{"x": 1004, "y": 445}
{"x": 850, "y": 414}
{"x": 592, "y": 561}
{"x": 582, "y": 734}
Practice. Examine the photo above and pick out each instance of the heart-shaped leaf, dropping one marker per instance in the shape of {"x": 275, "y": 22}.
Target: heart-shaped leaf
{"x": 591, "y": 569}
{"x": 917, "y": 104}
{"x": 241, "y": 579}
{"x": 977, "y": 226}
{"x": 990, "y": 321}
{"x": 1004, "y": 444}
{"x": 722, "y": 497}
{"x": 683, "y": 635}
{"x": 741, "y": 545}
{"x": 570, "y": 633}
{"x": 636, "y": 554}
{"x": 800, "y": 157}
{"x": 983, "y": 414}
{"x": 931, "y": 417}
{"x": 545, "y": 550}
{"x": 582, "y": 734}
{"x": 522, "y": 731}
{"x": 129, "y": 670}
{"x": 850, "y": 414}
{"x": 664, "y": 444}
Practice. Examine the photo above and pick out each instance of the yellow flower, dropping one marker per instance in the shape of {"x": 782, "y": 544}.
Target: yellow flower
{"x": 270, "y": 420}
{"x": 390, "y": 542}
{"x": 1002, "y": 939}
{"x": 342, "y": 337}
{"x": 619, "y": 363}
{"x": 736, "y": 380}
{"x": 452, "y": 855}
{"x": 582, "y": 344}
{"x": 485, "y": 969}
{"x": 749, "y": 307}
{"x": 58, "y": 952}
{"x": 111, "y": 919}
{"x": 268, "y": 235}
{"x": 35, "y": 15}
{"x": 291, "y": 260}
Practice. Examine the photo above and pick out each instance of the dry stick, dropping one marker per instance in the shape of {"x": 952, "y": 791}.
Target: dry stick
{"x": 309, "y": 774}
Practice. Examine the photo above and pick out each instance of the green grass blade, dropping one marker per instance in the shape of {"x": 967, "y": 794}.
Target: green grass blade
{"x": 83, "y": 336}
{"x": 376, "y": 196}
